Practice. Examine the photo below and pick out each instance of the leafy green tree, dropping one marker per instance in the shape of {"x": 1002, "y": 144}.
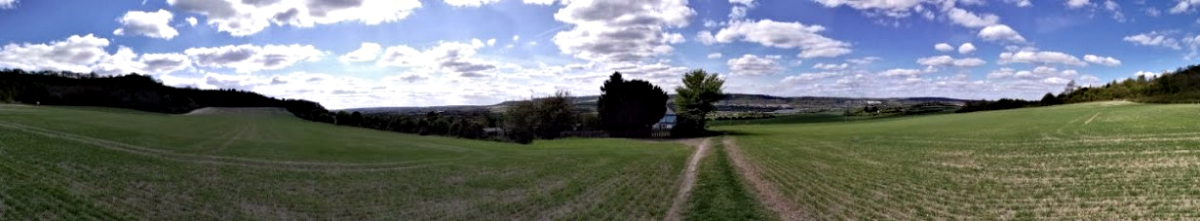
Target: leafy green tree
{"x": 628, "y": 108}
{"x": 694, "y": 100}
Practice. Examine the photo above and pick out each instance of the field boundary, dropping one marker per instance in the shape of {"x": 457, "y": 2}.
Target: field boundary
{"x": 766, "y": 192}
{"x": 689, "y": 180}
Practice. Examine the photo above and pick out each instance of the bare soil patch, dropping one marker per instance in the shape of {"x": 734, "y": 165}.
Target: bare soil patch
{"x": 770, "y": 195}
{"x": 689, "y": 178}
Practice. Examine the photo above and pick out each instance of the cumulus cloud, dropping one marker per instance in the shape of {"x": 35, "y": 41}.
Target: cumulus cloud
{"x": 892, "y": 8}
{"x": 243, "y": 18}
{"x": 539, "y": 2}
{"x": 84, "y": 54}
{"x": 863, "y": 60}
{"x": 447, "y": 57}
{"x": 1000, "y": 33}
{"x": 943, "y": 47}
{"x": 620, "y": 30}
{"x": 1077, "y": 3}
{"x": 714, "y": 55}
{"x": 367, "y": 52}
{"x": 250, "y": 58}
{"x": 946, "y": 60}
{"x": 1154, "y": 38}
{"x": 753, "y": 65}
{"x": 831, "y": 67}
{"x": 966, "y": 48}
{"x": 784, "y": 35}
{"x": 149, "y": 24}
{"x": 1101, "y": 60}
{"x": 7, "y": 4}
{"x": 192, "y": 21}
{"x": 971, "y": 20}
{"x": 900, "y": 72}
{"x": 1185, "y": 6}
{"x": 76, "y": 54}
{"x": 1040, "y": 73}
{"x": 1146, "y": 74}
{"x": 470, "y": 3}
{"x": 1020, "y": 3}
{"x": 808, "y": 77}
{"x": 1040, "y": 57}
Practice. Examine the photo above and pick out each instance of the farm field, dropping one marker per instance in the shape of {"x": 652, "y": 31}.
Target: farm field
{"x": 1091, "y": 161}
{"x": 98, "y": 163}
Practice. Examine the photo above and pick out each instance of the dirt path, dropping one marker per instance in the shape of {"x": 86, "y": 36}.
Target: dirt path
{"x": 766, "y": 191}
{"x": 689, "y": 179}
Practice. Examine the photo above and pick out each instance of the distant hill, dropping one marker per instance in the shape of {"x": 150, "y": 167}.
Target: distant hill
{"x": 732, "y": 102}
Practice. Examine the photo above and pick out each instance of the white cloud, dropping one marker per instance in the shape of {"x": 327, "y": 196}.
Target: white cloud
{"x": 539, "y": 2}
{"x": 752, "y": 65}
{"x": 966, "y": 48}
{"x": 149, "y": 24}
{"x": 447, "y": 57}
{"x": 714, "y": 55}
{"x": 1154, "y": 38}
{"x": 76, "y": 54}
{"x": 1185, "y": 6}
{"x": 808, "y": 77}
{"x": 86, "y": 54}
{"x": 1106, "y": 61}
{"x": 901, "y": 72}
{"x": 1020, "y": 3}
{"x": 192, "y": 21}
{"x": 1040, "y": 57}
{"x": 250, "y": 58}
{"x": 784, "y": 35}
{"x": 943, "y": 47}
{"x": 620, "y": 30}
{"x": 7, "y": 4}
{"x": 367, "y": 52}
{"x": 243, "y": 18}
{"x": 1147, "y": 74}
{"x": 892, "y": 8}
{"x": 1000, "y": 33}
{"x": 971, "y": 20}
{"x": 1077, "y": 3}
{"x": 863, "y": 60}
{"x": 945, "y": 60}
{"x": 831, "y": 67}
{"x": 1041, "y": 73}
{"x": 470, "y": 3}
{"x": 1153, "y": 12}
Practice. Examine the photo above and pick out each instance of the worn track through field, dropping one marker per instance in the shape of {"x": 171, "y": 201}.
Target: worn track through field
{"x": 689, "y": 179}
{"x": 765, "y": 190}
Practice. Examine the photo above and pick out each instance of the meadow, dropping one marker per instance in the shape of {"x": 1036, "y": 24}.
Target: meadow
{"x": 1090, "y": 161}
{"x": 80, "y": 163}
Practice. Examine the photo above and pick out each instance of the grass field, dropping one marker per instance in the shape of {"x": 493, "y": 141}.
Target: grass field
{"x": 1093, "y": 161}
{"x": 98, "y": 163}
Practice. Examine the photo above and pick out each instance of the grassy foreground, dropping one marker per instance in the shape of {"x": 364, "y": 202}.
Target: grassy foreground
{"x": 97, "y": 163}
{"x": 1093, "y": 161}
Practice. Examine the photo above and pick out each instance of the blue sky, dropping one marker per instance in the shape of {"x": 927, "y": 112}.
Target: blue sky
{"x": 361, "y": 53}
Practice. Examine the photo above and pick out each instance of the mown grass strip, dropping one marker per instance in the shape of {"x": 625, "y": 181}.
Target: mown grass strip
{"x": 720, "y": 194}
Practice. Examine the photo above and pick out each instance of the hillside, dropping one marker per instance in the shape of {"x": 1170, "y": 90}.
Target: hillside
{"x": 1089, "y": 161}
{"x": 73, "y": 163}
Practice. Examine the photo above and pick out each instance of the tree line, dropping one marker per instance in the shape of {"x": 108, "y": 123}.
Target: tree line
{"x": 627, "y": 108}
{"x": 1179, "y": 86}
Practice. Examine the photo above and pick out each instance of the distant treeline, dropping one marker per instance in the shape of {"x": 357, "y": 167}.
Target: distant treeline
{"x": 132, "y": 91}
{"x": 143, "y": 93}
{"x": 1179, "y": 86}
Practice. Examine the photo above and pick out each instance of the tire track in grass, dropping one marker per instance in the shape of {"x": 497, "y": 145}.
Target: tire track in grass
{"x": 770, "y": 195}
{"x": 1093, "y": 118}
{"x": 688, "y": 182}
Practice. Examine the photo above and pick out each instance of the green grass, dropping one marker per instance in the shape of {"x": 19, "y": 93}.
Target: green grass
{"x": 720, "y": 193}
{"x": 1093, "y": 161}
{"x": 98, "y": 163}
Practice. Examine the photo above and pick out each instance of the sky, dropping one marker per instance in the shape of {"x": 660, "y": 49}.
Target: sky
{"x": 373, "y": 53}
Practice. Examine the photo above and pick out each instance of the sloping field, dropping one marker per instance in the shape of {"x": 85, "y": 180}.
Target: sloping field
{"x": 1094, "y": 161}
{"x": 97, "y": 163}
